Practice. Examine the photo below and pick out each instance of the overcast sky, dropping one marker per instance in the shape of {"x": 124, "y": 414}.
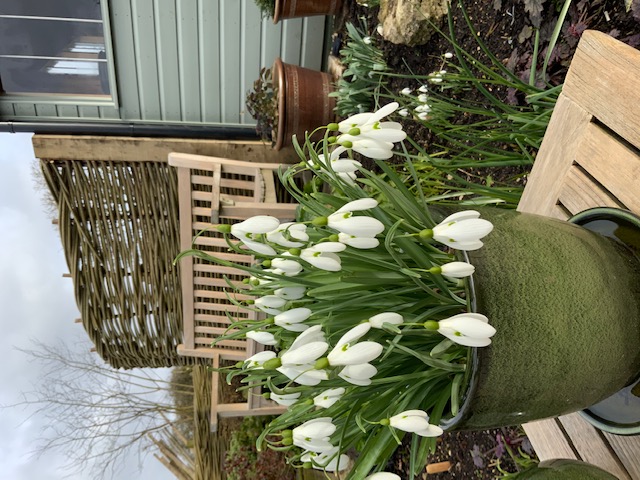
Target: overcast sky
{"x": 35, "y": 303}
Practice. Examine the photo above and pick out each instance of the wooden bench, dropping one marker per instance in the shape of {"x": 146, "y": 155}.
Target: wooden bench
{"x": 590, "y": 157}
{"x": 211, "y": 191}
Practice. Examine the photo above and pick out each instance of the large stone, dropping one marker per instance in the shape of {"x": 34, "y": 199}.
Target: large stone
{"x": 409, "y": 21}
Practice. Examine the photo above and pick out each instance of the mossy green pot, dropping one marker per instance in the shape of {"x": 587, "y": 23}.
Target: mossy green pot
{"x": 566, "y": 305}
{"x": 564, "y": 469}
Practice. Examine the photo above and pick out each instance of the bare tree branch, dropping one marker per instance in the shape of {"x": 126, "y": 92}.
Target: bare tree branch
{"x": 97, "y": 414}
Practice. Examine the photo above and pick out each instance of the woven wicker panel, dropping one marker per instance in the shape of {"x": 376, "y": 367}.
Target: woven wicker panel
{"x": 119, "y": 227}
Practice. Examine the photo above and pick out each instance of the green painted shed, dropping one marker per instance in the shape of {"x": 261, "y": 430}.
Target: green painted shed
{"x": 142, "y": 61}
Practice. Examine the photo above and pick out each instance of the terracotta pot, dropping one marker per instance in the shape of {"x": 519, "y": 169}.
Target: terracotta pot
{"x": 303, "y": 101}
{"x": 305, "y": 8}
{"x": 565, "y": 301}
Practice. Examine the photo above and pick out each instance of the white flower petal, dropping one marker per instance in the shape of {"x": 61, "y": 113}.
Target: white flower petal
{"x": 387, "y": 317}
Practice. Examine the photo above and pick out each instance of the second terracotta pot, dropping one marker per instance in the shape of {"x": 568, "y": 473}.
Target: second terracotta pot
{"x": 305, "y": 8}
{"x": 303, "y": 101}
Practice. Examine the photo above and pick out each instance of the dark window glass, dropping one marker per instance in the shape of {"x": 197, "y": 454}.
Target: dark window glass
{"x": 47, "y": 38}
{"x": 68, "y": 76}
{"x": 89, "y": 9}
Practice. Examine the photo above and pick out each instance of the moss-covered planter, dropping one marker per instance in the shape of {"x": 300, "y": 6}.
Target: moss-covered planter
{"x": 563, "y": 469}
{"x": 566, "y": 304}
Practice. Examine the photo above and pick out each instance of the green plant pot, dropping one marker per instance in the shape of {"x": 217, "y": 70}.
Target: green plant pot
{"x": 563, "y": 469}
{"x": 566, "y": 305}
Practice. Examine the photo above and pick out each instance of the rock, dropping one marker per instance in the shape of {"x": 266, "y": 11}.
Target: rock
{"x": 407, "y": 21}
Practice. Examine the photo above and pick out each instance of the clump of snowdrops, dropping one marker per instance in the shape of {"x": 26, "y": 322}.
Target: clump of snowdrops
{"x": 365, "y": 307}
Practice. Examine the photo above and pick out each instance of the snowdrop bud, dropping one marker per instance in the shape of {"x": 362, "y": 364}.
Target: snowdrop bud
{"x": 387, "y": 317}
{"x": 264, "y": 338}
{"x": 448, "y": 55}
{"x": 415, "y": 421}
{"x": 403, "y": 112}
{"x": 286, "y": 399}
{"x": 383, "y": 476}
{"x": 406, "y": 91}
{"x": 423, "y": 89}
{"x": 257, "y": 224}
{"x": 367, "y": 40}
{"x": 454, "y": 270}
{"x": 423, "y": 98}
{"x": 423, "y": 115}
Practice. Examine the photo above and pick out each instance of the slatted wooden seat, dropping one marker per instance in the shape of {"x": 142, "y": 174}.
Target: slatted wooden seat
{"x": 214, "y": 190}
{"x": 590, "y": 157}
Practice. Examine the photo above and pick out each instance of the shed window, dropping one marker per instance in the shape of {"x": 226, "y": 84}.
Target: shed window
{"x": 53, "y": 51}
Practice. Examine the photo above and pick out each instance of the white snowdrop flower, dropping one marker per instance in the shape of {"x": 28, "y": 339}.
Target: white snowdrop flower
{"x": 292, "y": 319}
{"x": 448, "y": 55}
{"x": 256, "y": 361}
{"x": 442, "y": 72}
{"x": 468, "y": 329}
{"x": 358, "y": 242}
{"x": 379, "y": 29}
{"x": 367, "y": 40}
{"x": 304, "y": 374}
{"x": 403, "y": 112}
{"x": 349, "y": 352}
{"x": 314, "y": 435}
{"x": 290, "y": 293}
{"x": 323, "y": 256}
{"x": 406, "y": 91}
{"x": 435, "y": 80}
{"x": 423, "y": 98}
{"x": 328, "y": 397}
{"x": 286, "y": 399}
{"x": 286, "y": 266}
{"x": 415, "y": 421}
{"x": 289, "y": 235}
{"x": 423, "y": 89}
{"x": 462, "y": 230}
{"x": 270, "y": 304}
{"x": 426, "y": 108}
{"x": 329, "y": 460}
{"x": 361, "y": 226}
{"x": 423, "y": 115}
{"x": 358, "y": 374}
{"x": 262, "y": 337}
{"x": 392, "y": 318}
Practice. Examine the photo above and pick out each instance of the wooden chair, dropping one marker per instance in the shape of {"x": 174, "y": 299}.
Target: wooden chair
{"x": 590, "y": 157}
{"x": 211, "y": 191}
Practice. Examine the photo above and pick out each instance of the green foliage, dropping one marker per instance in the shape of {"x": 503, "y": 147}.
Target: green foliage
{"x": 362, "y": 78}
{"x": 261, "y": 104}
{"x": 244, "y": 462}
{"x": 267, "y": 7}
